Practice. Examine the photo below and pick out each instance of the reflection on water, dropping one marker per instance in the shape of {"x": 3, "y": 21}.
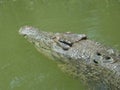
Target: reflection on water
{"x": 21, "y": 66}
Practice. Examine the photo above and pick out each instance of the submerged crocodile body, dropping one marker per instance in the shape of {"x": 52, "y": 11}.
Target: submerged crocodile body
{"x": 94, "y": 63}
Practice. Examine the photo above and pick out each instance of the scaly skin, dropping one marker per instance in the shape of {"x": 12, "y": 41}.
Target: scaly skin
{"x": 94, "y": 63}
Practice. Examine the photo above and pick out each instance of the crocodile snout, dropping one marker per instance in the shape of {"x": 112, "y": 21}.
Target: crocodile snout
{"x": 28, "y": 31}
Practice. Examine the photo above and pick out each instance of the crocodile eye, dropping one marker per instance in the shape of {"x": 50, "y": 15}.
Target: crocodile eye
{"x": 66, "y": 42}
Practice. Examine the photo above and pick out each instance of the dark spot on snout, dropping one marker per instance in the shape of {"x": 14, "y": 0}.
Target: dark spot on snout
{"x": 99, "y": 54}
{"x": 96, "y": 62}
{"x": 107, "y": 58}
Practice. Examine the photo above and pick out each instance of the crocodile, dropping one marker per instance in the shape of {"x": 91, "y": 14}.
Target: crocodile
{"x": 95, "y": 64}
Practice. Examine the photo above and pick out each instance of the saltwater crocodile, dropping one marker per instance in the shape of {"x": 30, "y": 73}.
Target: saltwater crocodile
{"x": 96, "y": 64}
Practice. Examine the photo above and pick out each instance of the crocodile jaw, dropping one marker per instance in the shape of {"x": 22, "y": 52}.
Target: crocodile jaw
{"x": 43, "y": 41}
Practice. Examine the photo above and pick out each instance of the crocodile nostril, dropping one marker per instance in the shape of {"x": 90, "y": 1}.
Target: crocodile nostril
{"x": 24, "y": 35}
{"x": 33, "y": 42}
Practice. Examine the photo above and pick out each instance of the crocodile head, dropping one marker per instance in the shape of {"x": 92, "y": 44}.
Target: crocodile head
{"x": 55, "y": 45}
{"x": 79, "y": 56}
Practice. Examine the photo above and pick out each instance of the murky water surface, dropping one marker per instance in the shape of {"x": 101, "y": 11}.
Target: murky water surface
{"x": 22, "y": 67}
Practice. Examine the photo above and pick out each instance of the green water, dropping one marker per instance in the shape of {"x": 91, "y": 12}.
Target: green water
{"x": 22, "y": 67}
